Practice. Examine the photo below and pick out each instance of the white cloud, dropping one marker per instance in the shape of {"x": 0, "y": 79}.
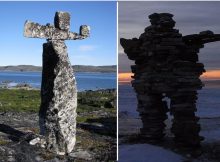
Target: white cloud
{"x": 85, "y": 48}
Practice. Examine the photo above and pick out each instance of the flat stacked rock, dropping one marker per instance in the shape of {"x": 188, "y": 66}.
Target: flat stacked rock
{"x": 166, "y": 65}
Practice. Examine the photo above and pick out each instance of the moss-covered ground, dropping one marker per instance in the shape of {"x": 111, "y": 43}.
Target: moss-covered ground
{"x": 93, "y": 107}
{"x": 21, "y": 100}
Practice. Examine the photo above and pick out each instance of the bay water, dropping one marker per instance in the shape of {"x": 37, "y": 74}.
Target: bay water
{"x": 85, "y": 80}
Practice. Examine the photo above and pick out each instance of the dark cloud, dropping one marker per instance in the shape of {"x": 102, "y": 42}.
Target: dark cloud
{"x": 190, "y": 17}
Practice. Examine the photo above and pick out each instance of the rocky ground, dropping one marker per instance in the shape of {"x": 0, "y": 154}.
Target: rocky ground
{"x": 96, "y": 132}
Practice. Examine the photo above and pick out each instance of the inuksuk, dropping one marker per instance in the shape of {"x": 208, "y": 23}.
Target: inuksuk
{"x": 57, "y": 115}
{"x": 166, "y": 66}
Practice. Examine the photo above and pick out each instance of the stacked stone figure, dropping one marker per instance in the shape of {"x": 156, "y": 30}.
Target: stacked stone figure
{"x": 58, "y": 89}
{"x": 166, "y": 65}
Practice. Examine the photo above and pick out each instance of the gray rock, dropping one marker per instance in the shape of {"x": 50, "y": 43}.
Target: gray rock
{"x": 35, "y": 30}
{"x": 38, "y": 158}
{"x": 81, "y": 154}
{"x": 58, "y": 98}
{"x": 34, "y": 141}
{"x": 62, "y": 20}
{"x": 55, "y": 160}
{"x": 57, "y": 115}
{"x": 11, "y": 159}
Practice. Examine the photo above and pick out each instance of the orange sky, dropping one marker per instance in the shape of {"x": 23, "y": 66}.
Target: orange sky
{"x": 124, "y": 77}
{"x": 209, "y": 75}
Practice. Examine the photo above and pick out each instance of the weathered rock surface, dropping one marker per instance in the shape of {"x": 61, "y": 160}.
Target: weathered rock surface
{"x": 166, "y": 65}
{"x": 18, "y": 129}
{"x": 58, "y": 98}
{"x": 58, "y": 89}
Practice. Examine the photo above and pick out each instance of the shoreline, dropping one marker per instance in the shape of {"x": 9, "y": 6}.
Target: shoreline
{"x": 38, "y": 89}
{"x": 76, "y": 68}
{"x": 11, "y": 71}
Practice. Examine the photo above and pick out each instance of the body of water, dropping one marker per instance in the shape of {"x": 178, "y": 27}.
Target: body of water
{"x": 85, "y": 81}
{"x": 208, "y": 103}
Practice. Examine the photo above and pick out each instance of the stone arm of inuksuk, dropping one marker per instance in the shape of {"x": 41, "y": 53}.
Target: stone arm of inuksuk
{"x": 201, "y": 38}
{"x": 35, "y": 30}
{"x": 131, "y": 47}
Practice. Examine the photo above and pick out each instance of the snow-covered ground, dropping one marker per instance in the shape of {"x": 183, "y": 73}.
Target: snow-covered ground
{"x": 208, "y": 106}
{"x": 147, "y": 153}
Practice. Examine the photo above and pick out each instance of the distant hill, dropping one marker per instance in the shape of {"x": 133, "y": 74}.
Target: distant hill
{"x": 20, "y": 68}
{"x": 77, "y": 68}
{"x": 83, "y": 68}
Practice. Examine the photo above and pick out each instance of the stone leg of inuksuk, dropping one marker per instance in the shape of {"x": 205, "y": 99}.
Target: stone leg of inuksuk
{"x": 183, "y": 103}
{"x": 153, "y": 114}
{"x": 58, "y": 98}
{"x": 185, "y": 124}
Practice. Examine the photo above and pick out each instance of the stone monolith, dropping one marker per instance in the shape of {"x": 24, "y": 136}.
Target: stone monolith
{"x": 57, "y": 115}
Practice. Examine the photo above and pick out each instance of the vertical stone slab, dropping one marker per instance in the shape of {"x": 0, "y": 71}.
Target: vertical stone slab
{"x": 58, "y": 98}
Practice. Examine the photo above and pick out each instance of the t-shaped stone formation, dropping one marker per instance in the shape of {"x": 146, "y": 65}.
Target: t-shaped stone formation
{"x": 57, "y": 115}
{"x": 60, "y": 30}
{"x": 166, "y": 65}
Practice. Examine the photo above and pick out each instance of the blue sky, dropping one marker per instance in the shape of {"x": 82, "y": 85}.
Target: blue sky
{"x": 98, "y": 49}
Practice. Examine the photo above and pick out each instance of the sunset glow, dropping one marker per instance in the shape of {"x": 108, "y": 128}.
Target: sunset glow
{"x": 124, "y": 77}
{"x": 209, "y": 75}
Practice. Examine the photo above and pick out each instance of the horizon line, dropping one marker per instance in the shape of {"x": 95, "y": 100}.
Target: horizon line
{"x": 41, "y": 65}
{"x": 125, "y": 77}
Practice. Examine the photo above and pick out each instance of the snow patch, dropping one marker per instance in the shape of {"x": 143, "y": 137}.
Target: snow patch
{"x": 147, "y": 153}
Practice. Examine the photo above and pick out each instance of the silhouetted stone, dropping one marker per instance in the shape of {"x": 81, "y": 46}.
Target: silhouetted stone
{"x": 166, "y": 65}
